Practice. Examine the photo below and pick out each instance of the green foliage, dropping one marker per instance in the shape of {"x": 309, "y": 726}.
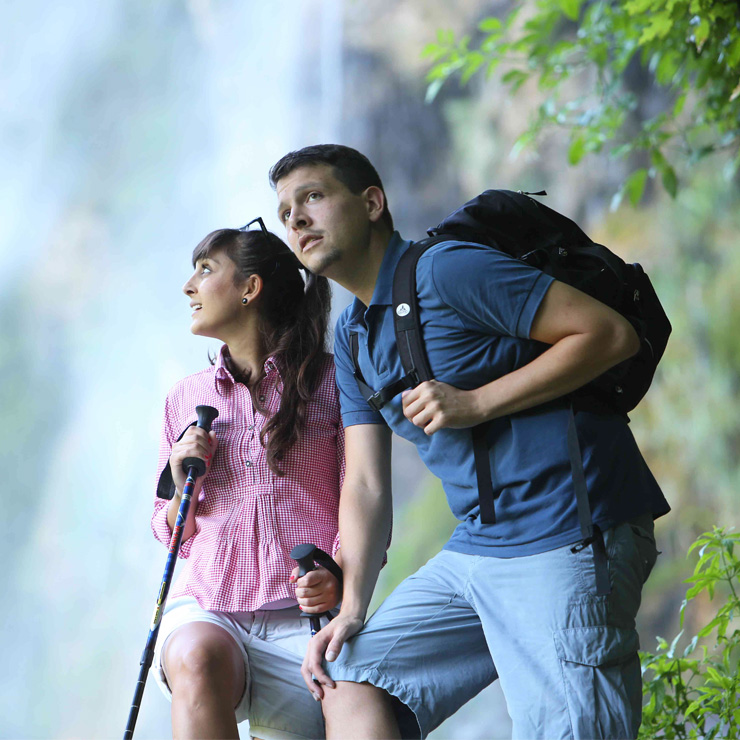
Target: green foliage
{"x": 420, "y": 530}
{"x": 586, "y": 58}
{"x": 699, "y": 697}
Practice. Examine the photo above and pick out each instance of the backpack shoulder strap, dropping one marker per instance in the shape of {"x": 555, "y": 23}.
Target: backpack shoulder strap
{"x": 406, "y": 321}
{"x": 375, "y": 399}
{"x": 413, "y": 355}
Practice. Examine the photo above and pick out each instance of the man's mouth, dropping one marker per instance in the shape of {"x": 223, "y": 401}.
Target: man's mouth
{"x": 307, "y": 241}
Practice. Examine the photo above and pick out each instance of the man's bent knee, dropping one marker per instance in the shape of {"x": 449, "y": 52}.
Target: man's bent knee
{"x": 359, "y": 710}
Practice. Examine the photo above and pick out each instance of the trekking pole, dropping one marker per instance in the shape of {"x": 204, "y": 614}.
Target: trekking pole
{"x": 195, "y": 468}
{"x": 307, "y": 556}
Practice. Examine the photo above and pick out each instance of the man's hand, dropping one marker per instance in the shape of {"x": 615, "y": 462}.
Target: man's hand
{"x": 317, "y": 591}
{"x": 326, "y": 643}
{"x": 433, "y": 405}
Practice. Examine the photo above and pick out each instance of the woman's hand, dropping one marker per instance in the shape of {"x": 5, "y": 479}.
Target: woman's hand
{"x": 195, "y": 442}
{"x": 317, "y": 591}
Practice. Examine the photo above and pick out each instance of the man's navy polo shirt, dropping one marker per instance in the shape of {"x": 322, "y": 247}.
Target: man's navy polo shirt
{"x": 477, "y": 306}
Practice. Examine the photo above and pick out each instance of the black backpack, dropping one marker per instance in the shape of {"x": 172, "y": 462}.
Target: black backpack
{"x": 521, "y": 227}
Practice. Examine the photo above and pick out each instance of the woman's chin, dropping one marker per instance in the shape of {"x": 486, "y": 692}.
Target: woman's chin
{"x": 204, "y": 331}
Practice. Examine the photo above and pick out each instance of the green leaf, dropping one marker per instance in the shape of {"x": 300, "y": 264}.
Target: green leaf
{"x": 576, "y": 150}
{"x": 491, "y": 67}
{"x": 670, "y": 181}
{"x": 434, "y": 87}
{"x": 678, "y": 105}
{"x": 431, "y": 50}
{"x": 490, "y": 25}
{"x": 473, "y": 63}
{"x": 634, "y": 186}
{"x": 515, "y": 78}
{"x": 657, "y": 28}
{"x": 693, "y": 707}
{"x": 701, "y": 33}
{"x": 733, "y": 53}
{"x": 525, "y": 140}
{"x": 672, "y": 648}
{"x": 667, "y": 67}
{"x": 571, "y": 8}
{"x": 637, "y": 7}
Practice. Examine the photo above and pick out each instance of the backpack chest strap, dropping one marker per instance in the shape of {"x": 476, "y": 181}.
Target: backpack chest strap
{"x": 377, "y": 399}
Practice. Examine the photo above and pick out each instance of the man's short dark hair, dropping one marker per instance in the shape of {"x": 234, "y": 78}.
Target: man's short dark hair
{"x": 351, "y": 168}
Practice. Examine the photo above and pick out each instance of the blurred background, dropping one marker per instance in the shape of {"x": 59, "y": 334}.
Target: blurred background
{"x": 130, "y": 129}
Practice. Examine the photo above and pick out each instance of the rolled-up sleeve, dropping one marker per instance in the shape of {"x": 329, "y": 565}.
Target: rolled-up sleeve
{"x": 491, "y": 291}
{"x": 355, "y": 409}
{"x": 170, "y": 432}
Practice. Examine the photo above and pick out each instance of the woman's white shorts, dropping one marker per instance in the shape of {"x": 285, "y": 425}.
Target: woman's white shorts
{"x": 276, "y": 702}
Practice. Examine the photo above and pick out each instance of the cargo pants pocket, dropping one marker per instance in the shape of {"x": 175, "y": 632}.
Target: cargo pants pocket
{"x": 601, "y": 681}
{"x": 644, "y": 539}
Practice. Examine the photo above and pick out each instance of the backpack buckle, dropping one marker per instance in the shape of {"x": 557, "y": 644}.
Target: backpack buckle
{"x": 582, "y": 545}
{"x": 375, "y": 402}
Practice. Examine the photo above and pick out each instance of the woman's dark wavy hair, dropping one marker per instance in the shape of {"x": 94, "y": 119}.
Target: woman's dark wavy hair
{"x": 293, "y": 325}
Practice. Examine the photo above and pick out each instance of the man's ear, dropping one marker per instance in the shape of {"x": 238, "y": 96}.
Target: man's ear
{"x": 374, "y": 202}
{"x": 252, "y": 288}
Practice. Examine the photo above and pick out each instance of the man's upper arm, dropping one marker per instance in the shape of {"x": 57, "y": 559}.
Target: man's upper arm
{"x": 355, "y": 409}
{"x": 565, "y": 311}
{"x": 368, "y": 457}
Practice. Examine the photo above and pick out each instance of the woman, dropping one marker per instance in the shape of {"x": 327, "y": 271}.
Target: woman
{"x": 232, "y": 639}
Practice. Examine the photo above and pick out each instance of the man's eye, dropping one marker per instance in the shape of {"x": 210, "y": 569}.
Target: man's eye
{"x": 285, "y": 215}
{"x": 313, "y": 196}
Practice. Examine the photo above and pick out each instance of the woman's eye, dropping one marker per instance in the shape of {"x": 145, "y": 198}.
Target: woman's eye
{"x": 204, "y": 269}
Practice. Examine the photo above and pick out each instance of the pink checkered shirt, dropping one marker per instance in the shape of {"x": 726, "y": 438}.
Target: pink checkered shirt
{"x": 248, "y": 519}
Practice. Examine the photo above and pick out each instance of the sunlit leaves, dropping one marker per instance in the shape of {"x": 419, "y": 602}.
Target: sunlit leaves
{"x": 691, "y": 47}
{"x": 635, "y": 185}
{"x": 570, "y": 8}
{"x": 699, "y": 697}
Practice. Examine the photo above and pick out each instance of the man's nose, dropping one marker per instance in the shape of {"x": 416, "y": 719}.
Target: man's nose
{"x": 298, "y": 219}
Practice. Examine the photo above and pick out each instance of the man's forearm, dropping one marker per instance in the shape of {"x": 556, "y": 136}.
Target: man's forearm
{"x": 569, "y": 364}
{"x": 364, "y": 523}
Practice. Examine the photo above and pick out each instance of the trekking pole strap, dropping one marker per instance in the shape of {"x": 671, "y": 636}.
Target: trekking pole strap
{"x": 323, "y": 558}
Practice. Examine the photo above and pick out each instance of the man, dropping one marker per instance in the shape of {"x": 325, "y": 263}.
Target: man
{"x": 515, "y": 599}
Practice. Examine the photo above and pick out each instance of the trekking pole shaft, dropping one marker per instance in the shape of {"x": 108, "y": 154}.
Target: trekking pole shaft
{"x": 195, "y": 468}
{"x": 148, "y": 655}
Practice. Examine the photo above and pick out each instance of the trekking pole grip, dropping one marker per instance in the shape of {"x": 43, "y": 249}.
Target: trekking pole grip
{"x": 307, "y": 556}
{"x": 304, "y": 556}
{"x": 206, "y": 415}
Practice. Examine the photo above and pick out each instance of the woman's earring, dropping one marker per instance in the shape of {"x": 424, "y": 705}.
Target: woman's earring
{"x": 245, "y": 301}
